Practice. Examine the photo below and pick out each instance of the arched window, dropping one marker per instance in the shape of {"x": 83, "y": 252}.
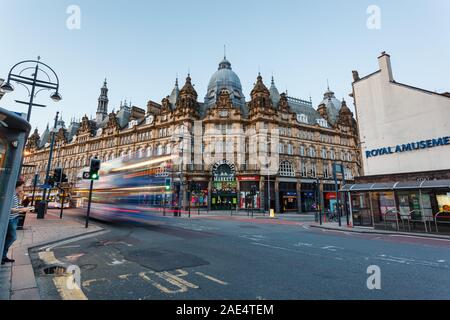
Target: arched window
{"x": 286, "y": 169}
{"x": 149, "y": 151}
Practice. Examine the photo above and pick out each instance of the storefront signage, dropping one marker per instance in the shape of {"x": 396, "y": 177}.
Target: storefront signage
{"x": 224, "y": 171}
{"x": 425, "y": 144}
{"x": 248, "y": 178}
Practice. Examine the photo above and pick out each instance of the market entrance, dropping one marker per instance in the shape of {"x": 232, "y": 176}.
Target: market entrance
{"x": 224, "y": 188}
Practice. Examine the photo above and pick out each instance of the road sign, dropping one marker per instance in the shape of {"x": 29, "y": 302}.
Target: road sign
{"x": 45, "y": 186}
{"x": 86, "y": 175}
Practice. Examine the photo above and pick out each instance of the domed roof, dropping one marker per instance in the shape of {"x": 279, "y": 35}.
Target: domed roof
{"x": 225, "y": 78}
{"x": 332, "y": 104}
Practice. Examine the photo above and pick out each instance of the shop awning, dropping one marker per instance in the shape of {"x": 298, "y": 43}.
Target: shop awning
{"x": 412, "y": 185}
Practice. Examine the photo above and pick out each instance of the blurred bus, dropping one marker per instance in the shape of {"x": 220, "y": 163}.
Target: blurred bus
{"x": 129, "y": 188}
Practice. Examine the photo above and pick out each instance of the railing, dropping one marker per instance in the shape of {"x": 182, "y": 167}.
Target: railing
{"x": 391, "y": 212}
{"x": 436, "y": 216}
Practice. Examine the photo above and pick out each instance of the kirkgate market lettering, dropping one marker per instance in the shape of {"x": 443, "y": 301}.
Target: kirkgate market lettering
{"x": 224, "y": 171}
{"x": 424, "y": 144}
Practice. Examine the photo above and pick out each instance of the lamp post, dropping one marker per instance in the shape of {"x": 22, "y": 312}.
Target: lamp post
{"x": 43, "y": 205}
{"x": 18, "y": 74}
{"x": 180, "y": 140}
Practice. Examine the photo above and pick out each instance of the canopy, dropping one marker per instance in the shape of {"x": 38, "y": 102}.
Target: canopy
{"x": 412, "y": 185}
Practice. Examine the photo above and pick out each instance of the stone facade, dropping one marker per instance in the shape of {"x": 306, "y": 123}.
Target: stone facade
{"x": 308, "y": 142}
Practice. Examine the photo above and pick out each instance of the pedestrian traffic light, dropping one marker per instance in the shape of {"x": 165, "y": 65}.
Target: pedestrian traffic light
{"x": 168, "y": 184}
{"x": 57, "y": 175}
{"x": 94, "y": 169}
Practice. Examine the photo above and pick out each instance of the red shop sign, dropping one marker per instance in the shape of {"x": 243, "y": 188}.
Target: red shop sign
{"x": 330, "y": 195}
{"x": 248, "y": 178}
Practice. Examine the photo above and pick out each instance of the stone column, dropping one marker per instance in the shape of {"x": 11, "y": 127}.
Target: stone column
{"x": 299, "y": 195}
{"x": 262, "y": 186}
{"x": 209, "y": 193}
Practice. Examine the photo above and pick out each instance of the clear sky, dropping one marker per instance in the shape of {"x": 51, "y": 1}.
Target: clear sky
{"x": 140, "y": 46}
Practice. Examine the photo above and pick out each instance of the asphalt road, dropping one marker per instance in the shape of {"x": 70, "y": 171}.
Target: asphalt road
{"x": 234, "y": 258}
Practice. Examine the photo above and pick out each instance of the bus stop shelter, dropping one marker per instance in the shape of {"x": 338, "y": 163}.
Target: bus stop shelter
{"x": 416, "y": 206}
{"x": 14, "y": 130}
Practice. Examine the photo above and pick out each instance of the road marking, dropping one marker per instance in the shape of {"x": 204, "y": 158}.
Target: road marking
{"x": 301, "y": 244}
{"x": 68, "y": 294}
{"x": 125, "y": 276}
{"x": 87, "y": 283}
{"x": 181, "y": 288}
{"x": 273, "y": 247}
{"x": 177, "y": 278}
{"x": 49, "y": 258}
{"x": 331, "y": 248}
{"x": 60, "y": 243}
{"x": 74, "y": 257}
{"x": 212, "y": 278}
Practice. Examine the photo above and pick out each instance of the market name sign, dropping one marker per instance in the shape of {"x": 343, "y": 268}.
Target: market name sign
{"x": 425, "y": 144}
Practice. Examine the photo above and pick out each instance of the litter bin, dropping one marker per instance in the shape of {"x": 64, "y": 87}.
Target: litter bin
{"x": 40, "y": 209}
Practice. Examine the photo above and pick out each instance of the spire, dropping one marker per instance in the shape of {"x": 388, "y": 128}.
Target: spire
{"x": 175, "y": 93}
{"x": 274, "y": 93}
{"x": 102, "y": 109}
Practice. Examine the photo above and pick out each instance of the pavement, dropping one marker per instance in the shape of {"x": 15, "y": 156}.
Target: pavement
{"x": 17, "y": 280}
{"x": 368, "y": 230}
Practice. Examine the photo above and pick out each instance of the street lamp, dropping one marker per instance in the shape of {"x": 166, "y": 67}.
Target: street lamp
{"x": 41, "y": 210}
{"x": 20, "y": 73}
{"x": 180, "y": 139}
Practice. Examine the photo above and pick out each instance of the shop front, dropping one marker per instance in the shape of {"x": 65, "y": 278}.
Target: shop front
{"x": 288, "y": 197}
{"x": 329, "y": 198}
{"x": 199, "y": 194}
{"x": 308, "y": 197}
{"x": 224, "y": 186}
{"x": 249, "y": 192}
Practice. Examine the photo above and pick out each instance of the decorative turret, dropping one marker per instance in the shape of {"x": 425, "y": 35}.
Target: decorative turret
{"x": 187, "y": 100}
{"x": 33, "y": 141}
{"x": 345, "y": 115}
{"x": 260, "y": 95}
{"x": 102, "y": 109}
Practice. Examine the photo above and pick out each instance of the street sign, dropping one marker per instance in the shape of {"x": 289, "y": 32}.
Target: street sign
{"x": 45, "y": 186}
{"x": 86, "y": 175}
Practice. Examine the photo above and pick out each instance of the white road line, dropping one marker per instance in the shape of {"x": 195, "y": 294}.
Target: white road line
{"x": 64, "y": 242}
{"x": 212, "y": 278}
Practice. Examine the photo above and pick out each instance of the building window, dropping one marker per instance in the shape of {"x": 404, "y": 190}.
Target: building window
{"x": 312, "y": 152}
{"x": 290, "y": 149}
{"x": 313, "y": 170}
{"x": 281, "y": 148}
{"x": 304, "y": 169}
{"x": 326, "y": 171}
{"x": 286, "y": 169}
{"x": 332, "y": 155}
{"x": 302, "y": 151}
{"x": 324, "y": 153}
{"x": 302, "y": 118}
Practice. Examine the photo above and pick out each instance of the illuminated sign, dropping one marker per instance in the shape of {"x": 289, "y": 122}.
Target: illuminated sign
{"x": 424, "y": 144}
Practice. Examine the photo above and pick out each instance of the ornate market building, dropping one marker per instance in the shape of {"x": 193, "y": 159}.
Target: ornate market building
{"x": 218, "y": 148}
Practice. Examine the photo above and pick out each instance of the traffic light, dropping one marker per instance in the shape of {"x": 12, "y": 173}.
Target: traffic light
{"x": 51, "y": 181}
{"x": 168, "y": 184}
{"x": 64, "y": 178}
{"x": 57, "y": 175}
{"x": 94, "y": 169}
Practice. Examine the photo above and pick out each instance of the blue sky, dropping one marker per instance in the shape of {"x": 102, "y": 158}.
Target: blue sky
{"x": 140, "y": 46}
